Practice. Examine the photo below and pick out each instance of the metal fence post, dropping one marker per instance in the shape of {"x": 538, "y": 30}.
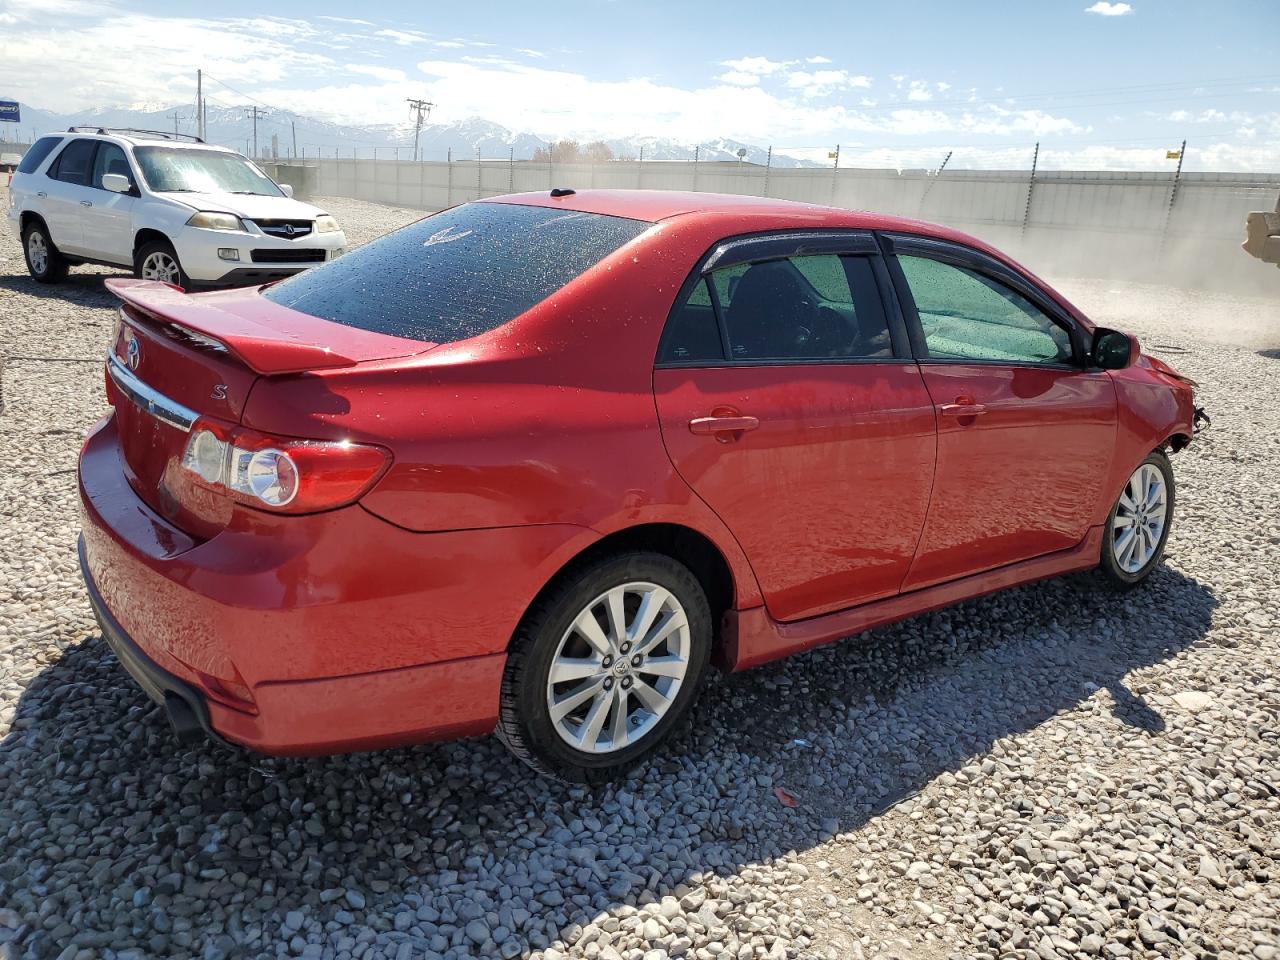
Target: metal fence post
{"x": 479, "y": 185}
{"x": 1031, "y": 185}
{"x": 768, "y": 166}
{"x": 448, "y": 159}
{"x": 1173, "y": 198}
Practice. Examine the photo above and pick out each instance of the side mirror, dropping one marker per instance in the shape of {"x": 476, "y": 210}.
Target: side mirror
{"x": 1113, "y": 350}
{"x": 116, "y": 183}
{"x": 286, "y": 189}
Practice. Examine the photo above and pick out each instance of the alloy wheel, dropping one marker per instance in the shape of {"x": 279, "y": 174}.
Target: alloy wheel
{"x": 37, "y": 252}
{"x": 618, "y": 667}
{"x": 1140, "y": 519}
{"x": 161, "y": 266}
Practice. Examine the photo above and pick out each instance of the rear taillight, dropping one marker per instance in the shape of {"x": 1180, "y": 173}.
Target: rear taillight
{"x": 274, "y": 473}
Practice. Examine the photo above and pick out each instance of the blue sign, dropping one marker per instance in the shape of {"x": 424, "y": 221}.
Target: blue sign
{"x": 9, "y": 111}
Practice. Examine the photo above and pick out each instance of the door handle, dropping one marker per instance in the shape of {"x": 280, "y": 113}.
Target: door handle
{"x": 41, "y": 193}
{"x": 963, "y": 407}
{"x": 86, "y": 203}
{"x": 719, "y": 426}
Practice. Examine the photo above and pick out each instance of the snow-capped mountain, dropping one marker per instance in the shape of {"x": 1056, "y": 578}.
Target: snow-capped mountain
{"x": 279, "y": 130}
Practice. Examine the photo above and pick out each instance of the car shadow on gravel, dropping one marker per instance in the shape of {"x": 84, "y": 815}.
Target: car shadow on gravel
{"x": 115, "y": 835}
{"x": 84, "y": 288}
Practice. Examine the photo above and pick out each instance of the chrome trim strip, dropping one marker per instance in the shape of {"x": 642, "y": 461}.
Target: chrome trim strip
{"x": 148, "y": 398}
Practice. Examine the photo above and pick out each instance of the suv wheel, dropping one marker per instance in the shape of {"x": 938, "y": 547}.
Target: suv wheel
{"x": 158, "y": 260}
{"x": 44, "y": 262}
{"x": 605, "y": 666}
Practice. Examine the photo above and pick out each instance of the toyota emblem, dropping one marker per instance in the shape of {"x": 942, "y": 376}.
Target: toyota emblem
{"x": 132, "y": 350}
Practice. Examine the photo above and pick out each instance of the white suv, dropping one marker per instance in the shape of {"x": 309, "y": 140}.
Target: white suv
{"x": 171, "y": 207}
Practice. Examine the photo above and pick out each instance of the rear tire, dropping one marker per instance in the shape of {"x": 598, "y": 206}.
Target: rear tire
{"x": 157, "y": 260}
{"x": 1138, "y": 525}
{"x": 607, "y": 712}
{"x": 44, "y": 262}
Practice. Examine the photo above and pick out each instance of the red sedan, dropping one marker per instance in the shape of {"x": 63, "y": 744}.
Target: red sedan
{"x": 533, "y": 462}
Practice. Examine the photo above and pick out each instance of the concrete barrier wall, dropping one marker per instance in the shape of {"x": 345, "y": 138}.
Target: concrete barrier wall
{"x": 1134, "y": 225}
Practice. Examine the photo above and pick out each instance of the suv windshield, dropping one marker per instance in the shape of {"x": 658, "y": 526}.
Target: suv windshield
{"x": 169, "y": 170}
{"x": 459, "y": 273}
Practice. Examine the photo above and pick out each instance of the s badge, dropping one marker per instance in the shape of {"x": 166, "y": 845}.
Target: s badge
{"x": 219, "y": 391}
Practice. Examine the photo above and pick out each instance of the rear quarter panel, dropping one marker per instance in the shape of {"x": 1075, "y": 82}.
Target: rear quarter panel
{"x": 549, "y": 419}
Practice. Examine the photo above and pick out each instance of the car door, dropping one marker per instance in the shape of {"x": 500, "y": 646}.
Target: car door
{"x": 1026, "y": 430}
{"x": 789, "y": 403}
{"x": 108, "y": 220}
{"x": 68, "y": 195}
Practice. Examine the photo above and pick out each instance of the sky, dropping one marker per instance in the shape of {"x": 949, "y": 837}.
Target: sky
{"x": 1099, "y": 84}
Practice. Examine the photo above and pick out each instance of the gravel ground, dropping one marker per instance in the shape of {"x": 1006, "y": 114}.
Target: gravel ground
{"x": 1054, "y": 771}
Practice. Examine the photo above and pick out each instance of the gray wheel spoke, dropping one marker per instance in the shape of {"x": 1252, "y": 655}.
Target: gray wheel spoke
{"x": 593, "y": 723}
{"x": 565, "y": 669}
{"x": 590, "y": 631}
{"x": 650, "y": 606}
{"x": 670, "y": 624}
{"x": 653, "y": 701}
{"x": 617, "y": 617}
{"x": 618, "y": 728}
{"x": 562, "y": 707}
{"x": 665, "y": 666}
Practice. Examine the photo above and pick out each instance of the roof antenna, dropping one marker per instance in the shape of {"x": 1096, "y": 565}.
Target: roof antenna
{"x": 562, "y": 191}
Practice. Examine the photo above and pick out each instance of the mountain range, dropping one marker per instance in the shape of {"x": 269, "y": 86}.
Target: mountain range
{"x": 279, "y": 130}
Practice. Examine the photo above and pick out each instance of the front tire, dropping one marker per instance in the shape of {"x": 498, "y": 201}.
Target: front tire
{"x": 1138, "y": 525}
{"x": 605, "y": 666}
{"x": 44, "y": 262}
{"x": 157, "y": 260}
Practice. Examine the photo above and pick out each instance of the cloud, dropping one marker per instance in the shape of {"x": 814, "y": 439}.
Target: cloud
{"x": 1105, "y": 9}
{"x": 817, "y": 59}
{"x": 536, "y": 54}
{"x": 450, "y": 44}
{"x": 385, "y": 74}
{"x": 760, "y": 66}
{"x": 403, "y": 38}
{"x": 739, "y": 78}
{"x": 821, "y": 83}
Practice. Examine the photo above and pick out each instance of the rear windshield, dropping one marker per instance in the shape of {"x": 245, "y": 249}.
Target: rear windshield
{"x": 459, "y": 273}
{"x": 39, "y": 150}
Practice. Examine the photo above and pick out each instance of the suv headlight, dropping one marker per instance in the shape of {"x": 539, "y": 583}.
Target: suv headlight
{"x": 215, "y": 221}
{"x": 326, "y": 224}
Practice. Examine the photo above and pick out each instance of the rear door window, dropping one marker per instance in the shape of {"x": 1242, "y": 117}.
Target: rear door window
{"x": 73, "y": 163}
{"x": 814, "y": 307}
{"x": 459, "y": 273}
{"x": 35, "y": 156}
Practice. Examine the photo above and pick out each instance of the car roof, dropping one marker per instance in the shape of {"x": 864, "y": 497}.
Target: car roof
{"x": 139, "y": 138}
{"x": 750, "y": 213}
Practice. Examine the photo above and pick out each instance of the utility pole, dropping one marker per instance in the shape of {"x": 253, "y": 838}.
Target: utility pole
{"x": 200, "y": 104}
{"x": 421, "y": 109}
{"x": 293, "y": 125}
{"x": 175, "y": 116}
{"x": 255, "y": 112}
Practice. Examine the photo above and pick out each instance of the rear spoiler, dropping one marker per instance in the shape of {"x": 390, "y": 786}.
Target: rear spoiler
{"x": 265, "y": 337}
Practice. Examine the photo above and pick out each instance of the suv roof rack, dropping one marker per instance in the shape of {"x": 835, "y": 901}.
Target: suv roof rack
{"x": 135, "y": 131}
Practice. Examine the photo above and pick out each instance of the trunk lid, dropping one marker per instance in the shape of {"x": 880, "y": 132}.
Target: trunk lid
{"x": 176, "y": 358}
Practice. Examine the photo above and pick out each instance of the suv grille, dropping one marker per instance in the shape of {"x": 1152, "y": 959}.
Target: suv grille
{"x": 285, "y": 229}
{"x": 287, "y": 256}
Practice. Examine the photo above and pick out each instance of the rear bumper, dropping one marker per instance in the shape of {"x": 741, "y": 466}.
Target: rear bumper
{"x": 346, "y": 633}
{"x": 184, "y": 704}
